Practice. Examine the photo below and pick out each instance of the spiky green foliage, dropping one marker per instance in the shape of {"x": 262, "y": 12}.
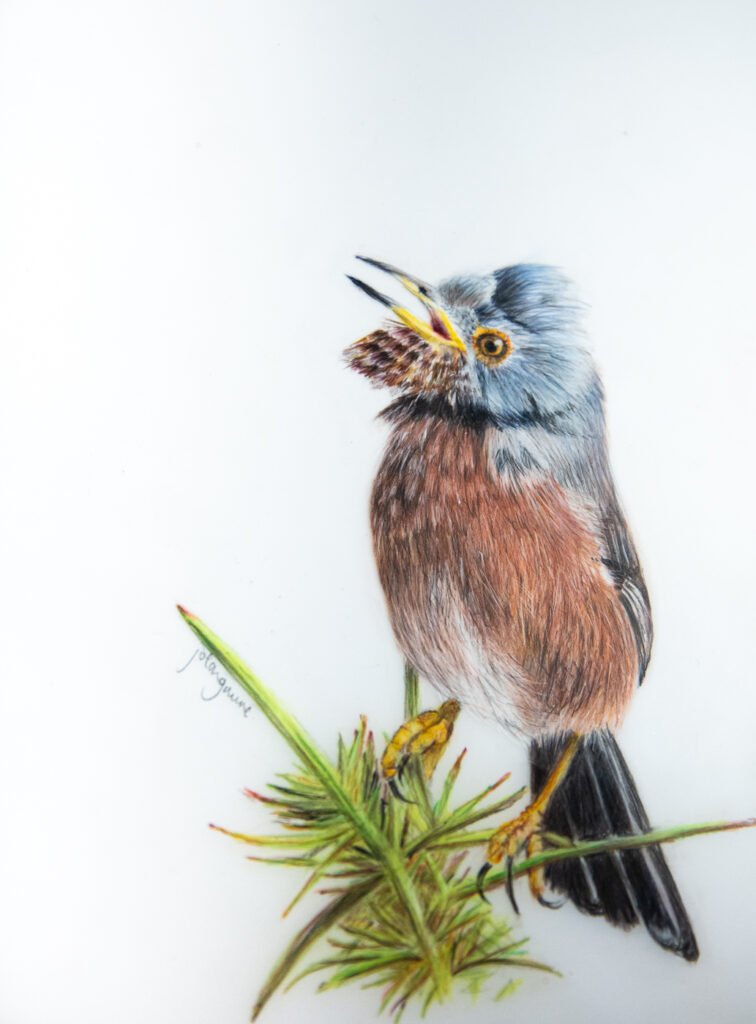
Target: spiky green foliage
{"x": 402, "y": 912}
{"x": 374, "y": 940}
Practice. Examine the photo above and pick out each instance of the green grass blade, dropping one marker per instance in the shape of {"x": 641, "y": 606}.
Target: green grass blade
{"x": 293, "y": 842}
{"x": 287, "y": 862}
{"x": 291, "y": 730}
{"x": 509, "y": 989}
{"x": 509, "y": 961}
{"x": 362, "y": 970}
{"x": 315, "y": 929}
{"x": 317, "y": 874}
{"x": 456, "y": 823}
{"x": 452, "y": 775}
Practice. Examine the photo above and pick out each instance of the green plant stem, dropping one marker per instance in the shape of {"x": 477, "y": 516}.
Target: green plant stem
{"x": 414, "y": 777}
{"x": 411, "y": 692}
{"x": 307, "y": 750}
{"x": 597, "y": 846}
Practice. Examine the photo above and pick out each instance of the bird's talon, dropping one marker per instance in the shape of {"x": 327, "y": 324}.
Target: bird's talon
{"x": 480, "y": 879}
{"x": 510, "y": 884}
{"x": 425, "y": 735}
{"x": 393, "y": 786}
{"x": 550, "y": 904}
{"x": 507, "y": 842}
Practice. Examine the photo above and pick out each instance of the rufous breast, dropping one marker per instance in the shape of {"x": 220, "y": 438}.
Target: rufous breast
{"x": 495, "y": 584}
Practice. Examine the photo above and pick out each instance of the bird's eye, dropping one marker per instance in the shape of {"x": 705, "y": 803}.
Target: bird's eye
{"x": 491, "y": 346}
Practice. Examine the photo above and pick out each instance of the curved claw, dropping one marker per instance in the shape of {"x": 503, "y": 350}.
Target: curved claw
{"x": 510, "y": 885}
{"x": 480, "y": 878}
{"x": 550, "y": 904}
{"x": 398, "y": 793}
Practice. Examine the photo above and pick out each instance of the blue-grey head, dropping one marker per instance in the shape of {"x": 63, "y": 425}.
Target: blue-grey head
{"x": 508, "y": 345}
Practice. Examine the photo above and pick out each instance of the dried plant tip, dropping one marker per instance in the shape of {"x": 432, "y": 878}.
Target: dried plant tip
{"x": 259, "y": 796}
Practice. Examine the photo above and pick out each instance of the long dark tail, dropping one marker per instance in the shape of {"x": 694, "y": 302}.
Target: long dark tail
{"x": 598, "y": 798}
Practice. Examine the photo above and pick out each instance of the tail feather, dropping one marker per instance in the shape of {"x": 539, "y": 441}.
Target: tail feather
{"x": 597, "y": 799}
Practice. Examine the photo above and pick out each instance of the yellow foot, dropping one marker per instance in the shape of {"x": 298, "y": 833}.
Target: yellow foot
{"x": 524, "y": 831}
{"x": 425, "y": 736}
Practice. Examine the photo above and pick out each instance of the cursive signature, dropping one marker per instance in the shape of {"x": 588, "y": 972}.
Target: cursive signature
{"x": 221, "y": 683}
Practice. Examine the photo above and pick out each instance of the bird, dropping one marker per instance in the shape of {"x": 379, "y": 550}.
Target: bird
{"x": 511, "y": 579}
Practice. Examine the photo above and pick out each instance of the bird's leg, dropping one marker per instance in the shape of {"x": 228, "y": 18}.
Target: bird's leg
{"x": 537, "y": 876}
{"x": 425, "y": 736}
{"x": 525, "y": 830}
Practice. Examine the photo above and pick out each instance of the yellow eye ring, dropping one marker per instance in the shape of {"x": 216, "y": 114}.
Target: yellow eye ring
{"x": 491, "y": 346}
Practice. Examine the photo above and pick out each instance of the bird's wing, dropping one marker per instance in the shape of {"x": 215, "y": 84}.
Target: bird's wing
{"x": 621, "y": 560}
{"x": 593, "y": 481}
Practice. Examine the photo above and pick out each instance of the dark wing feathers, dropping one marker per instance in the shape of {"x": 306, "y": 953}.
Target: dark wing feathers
{"x": 591, "y": 479}
{"x": 621, "y": 560}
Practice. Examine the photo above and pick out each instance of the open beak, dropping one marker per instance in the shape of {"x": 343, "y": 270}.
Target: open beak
{"x": 440, "y": 330}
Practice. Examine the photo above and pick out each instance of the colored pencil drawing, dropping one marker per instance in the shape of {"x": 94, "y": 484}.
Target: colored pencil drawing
{"x": 513, "y": 587}
{"x": 510, "y": 575}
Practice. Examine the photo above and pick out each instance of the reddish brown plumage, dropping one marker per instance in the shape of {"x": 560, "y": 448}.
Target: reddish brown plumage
{"x": 495, "y": 585}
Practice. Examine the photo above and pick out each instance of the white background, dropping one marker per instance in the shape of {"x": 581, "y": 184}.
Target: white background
{"x": 182, "y": 187}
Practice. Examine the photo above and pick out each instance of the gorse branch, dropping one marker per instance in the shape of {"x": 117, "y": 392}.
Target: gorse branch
{"x": 402, "y": 913}
{"x": 327, "y": 776}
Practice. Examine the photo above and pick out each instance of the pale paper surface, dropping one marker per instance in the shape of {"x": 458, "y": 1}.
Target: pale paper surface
{"x": 182, "y": 187}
